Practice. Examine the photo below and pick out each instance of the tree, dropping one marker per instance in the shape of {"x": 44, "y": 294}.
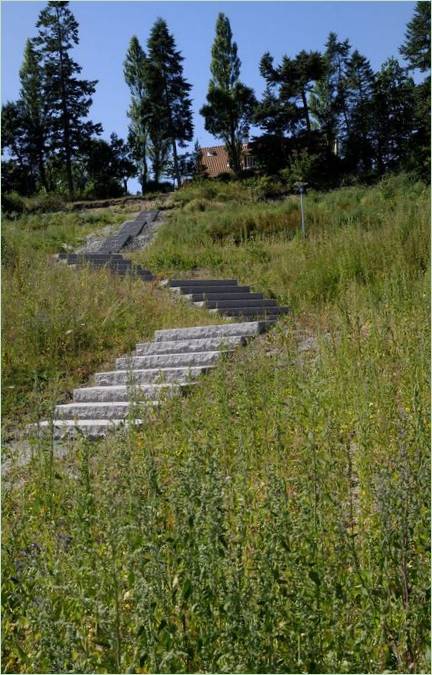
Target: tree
{"x": 417, "y": 51}
{"x": 394, "y": 115}
{"x": 68, "y": 98}
{"x": 34, "y": 112}
{"x": 170, "y": 105}
{"x": 359, "y": 89}
{"x": 123, "y": 166}
{"x": 16, "y": 165}
{"x": 230, "y": 104}
{"x": 134, "y": 69}
{"x": 417, "y": 46}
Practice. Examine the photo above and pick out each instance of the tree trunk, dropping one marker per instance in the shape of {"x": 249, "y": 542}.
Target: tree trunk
{"x": 176, "y": 166}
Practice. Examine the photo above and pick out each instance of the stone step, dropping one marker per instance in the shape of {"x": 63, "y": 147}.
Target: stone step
{"x": 246, "y": 311}
{"x": 181, "y": 346}
{"x": 243, "y": 329}
{"x": 179, "y": 375}
{"x": 202, "y": 282}
{"x": 126, "y": 393}
{"x": 201, "y": 297}
{"x": 92, "y": 429}
{"x": 188, "y": 290}
{"x": 213, "y": 304}
{"x": 91, "y": 256}
{"x": 167, "y": 360}
{"x": 116, "y": 410}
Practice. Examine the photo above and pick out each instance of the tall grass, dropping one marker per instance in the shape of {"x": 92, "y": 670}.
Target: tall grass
{"x": 277, "y": 519}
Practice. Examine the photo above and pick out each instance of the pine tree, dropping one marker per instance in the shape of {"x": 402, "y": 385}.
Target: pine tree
{"x": 14, "y": 141}
{"x": 394, "y": 115}
{"x": 417, "y": 51}
{"x": 135, "y": 69}
{"x": 358, "y": 96}
{"x": 230, "y": 104}
{"x": 170, "y": 105}
{"x": 33, "y": 110}
{"x": 67, "y": 97}
{"x": 417, "y": 46}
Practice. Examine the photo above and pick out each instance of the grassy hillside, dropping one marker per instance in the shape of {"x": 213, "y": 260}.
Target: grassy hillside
{"x": 59, "y": 326}
{"x": 277, "y": 519}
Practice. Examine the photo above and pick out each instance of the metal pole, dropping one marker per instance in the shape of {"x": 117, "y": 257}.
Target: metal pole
{"x": 302, "y": 213}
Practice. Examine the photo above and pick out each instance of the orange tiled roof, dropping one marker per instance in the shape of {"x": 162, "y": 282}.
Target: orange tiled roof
{"x": 215, "y": 160}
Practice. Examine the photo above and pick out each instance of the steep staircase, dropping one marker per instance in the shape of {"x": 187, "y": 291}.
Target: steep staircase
{"x": 174, "y": 359}
{"x": 155, "y": 370}
{"x": 226, "y": 297}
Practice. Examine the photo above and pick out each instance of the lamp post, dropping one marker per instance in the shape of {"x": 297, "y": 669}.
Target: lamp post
{"x": 300, "y": 186}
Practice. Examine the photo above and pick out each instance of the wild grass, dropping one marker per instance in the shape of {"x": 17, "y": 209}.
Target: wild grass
{"x": 277, "y": 519}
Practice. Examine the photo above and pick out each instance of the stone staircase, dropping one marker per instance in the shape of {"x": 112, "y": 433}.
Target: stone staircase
{"x": 174, "y": 359}
{"x": 108, "y": 255}
{"x": 154, "y": 371}
{"x": 226, "y": 297}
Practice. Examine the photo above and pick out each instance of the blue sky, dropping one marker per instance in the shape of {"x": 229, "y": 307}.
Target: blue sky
{"x": 376, "y": 29}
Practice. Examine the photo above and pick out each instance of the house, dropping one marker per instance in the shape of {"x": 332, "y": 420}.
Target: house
{"x": 215, "y": 161}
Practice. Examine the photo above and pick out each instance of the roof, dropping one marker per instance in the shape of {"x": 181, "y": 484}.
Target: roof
{"x": 215, "y": 160}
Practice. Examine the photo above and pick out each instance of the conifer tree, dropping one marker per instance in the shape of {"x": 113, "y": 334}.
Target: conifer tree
{"x": 230, "y": 104}
{"x": 417, "y": 46}
{"x": 68, "y": 98}
{"x": 171, "y": 107}
{"x": 134, "y": 69}
{"x": 33, "y": 110}
{"x": 417, "y": 51}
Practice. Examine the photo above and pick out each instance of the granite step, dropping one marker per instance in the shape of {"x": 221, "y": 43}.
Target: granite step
{"x": 202, "y": 297}
{"x": 243, "y": 329}
{"x": 213, "y": 304}
{"x": 121, "y": 393}
{"x": 179, "y": 375}
{"x": 168, "y": 360}
{"x": 98, "y": 410}
{"x": 195, "y": 345}
{"x": 179, "y": 283}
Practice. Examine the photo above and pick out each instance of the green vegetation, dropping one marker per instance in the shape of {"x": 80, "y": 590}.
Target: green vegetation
{"x": 276, "y": 520}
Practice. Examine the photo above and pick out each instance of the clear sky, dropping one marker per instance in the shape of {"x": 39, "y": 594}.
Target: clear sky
{"x": 376, "y": 29}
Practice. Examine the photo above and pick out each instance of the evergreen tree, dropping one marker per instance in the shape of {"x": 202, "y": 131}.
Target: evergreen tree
{"x": 68, "y": 98}
{"x": 135, "y": 69}
{"x": 33, "y": 111}
{"x": 170, "y": 105}
{"x": 417, "y": 51}
{"x": 14, "y": 145}
{"x": 394, "y": 115}
{"x": 230, "y": 104}
{"x": 359, "y": 89}
{"x": 417, "y": 46}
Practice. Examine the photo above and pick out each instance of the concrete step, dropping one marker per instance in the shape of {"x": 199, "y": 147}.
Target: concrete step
{"x": 194, "y": 345}
{"x": 202, "y": 282}
{"x": 116, "y": 410}
{"x": 212, "y": 304}
{"x": 246, "y": 311}
{"x": 225, "y": 330}
{"x": 201, "y": 297}
{"x": 126, "y": 393}
{"x": 188, "y": 290}
{"x": 167, "y": 360}
{"x": 90, "y": 428}
{"x": 179, "y": 375}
